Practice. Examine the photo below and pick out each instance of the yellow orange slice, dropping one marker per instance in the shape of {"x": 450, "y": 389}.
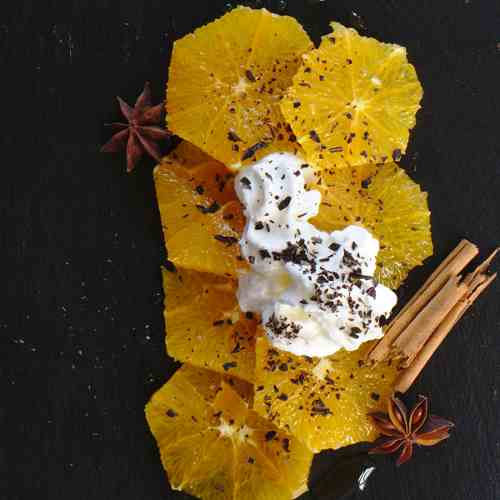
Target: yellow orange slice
{"x": 325, "y": 401}
{"x": 387, "y": 202}
{"x": 200, "y": 216}
{"x": 204, "y": 324}
{"x": 353, "y": 101}
{"x": 226, "y": 80}
{"x": 214, "y": 447}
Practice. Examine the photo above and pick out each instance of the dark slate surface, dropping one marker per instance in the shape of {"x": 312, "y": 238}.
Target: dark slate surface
{"x": 81, "y": 329}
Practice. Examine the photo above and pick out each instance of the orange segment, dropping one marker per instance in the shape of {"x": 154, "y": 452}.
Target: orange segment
{"x": 204, "y": 324}
{"x": 226, "y": 80}
{"x": 214, "y": 447}
{"x": 325, "y": 401}
{"x": 200, "y": 216}
{"x": 353, "y": 101}
{"x": 387, "y": 202}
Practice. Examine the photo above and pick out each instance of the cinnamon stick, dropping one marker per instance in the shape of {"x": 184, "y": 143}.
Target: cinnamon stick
{"x": 416, "y": 334}
{"x": 479, "y": 282}
{"x": 456, "y": 261}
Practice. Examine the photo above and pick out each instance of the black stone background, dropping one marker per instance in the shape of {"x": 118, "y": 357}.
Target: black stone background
{"x": 81, "y": 327}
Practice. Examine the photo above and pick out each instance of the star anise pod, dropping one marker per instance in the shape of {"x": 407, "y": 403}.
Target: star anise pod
{"x": 141, "y": 133}
{"x": 402, "y": 430}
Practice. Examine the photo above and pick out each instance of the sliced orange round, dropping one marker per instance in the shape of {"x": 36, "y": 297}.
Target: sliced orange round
{"x": 387, "y": 202}
{"x": 353, "y": 101}
{"x": 226, "y": 80}
{"x": 324, "y": 401}
{"x": 200, "y": 215}
{"x": 204, "y": 324}
{"x": 214, "y": 447}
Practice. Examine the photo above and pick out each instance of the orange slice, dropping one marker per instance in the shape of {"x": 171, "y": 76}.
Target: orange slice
{"x": 204, "y": 324}
{"x": 226, "y": 80}
{"x": 200, "y": 217}
{"x": 387, "y": 202}
{"x": 353, "y": 101}
{"x": 214, "y": 447}
{"x": 325, "y": 401}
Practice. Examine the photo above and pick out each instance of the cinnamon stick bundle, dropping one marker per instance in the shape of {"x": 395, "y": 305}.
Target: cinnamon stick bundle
{"x": 423, "y": 324}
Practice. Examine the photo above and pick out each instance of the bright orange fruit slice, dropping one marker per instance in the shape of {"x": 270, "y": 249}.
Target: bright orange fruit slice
{"x": 204, "y": 324}
{"x": 353, "y": 101}
{"x": 201, "y": 217}
{"x": 214, "y": 447}
{"x": 226, "y": 80}
{"x": 324, "y": 401}
{"x": 387, "y": 202}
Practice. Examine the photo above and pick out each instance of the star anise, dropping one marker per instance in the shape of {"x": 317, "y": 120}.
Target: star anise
{"x": 403, "y": 430}
{"x": 141, "y": 133}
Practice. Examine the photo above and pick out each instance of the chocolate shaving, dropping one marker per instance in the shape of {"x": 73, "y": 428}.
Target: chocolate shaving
{"x": 319, "y": 408}
{"x": 227, "y": 240}
{"x": 284, "y": 203}
{"x": 269, "y": 436}
{"x": 214, "y": 207}
{"x": 251, "y": 151}
{"x": 247, "y": 184}
{"x": 314, "y": 136}
{"x": 396, "y": 155}
{"x": 250, "y": 76}
{"x": 232, "y": 136}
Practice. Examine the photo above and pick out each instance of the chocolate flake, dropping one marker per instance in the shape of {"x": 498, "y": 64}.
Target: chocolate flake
{"x": 170, "y": 266}
{"x": 314, "y": 136}
{"x": 366, "y": 182}
{"x": 232, "y": 136}
{"x": 250, "y": 76}
{"x": 334, "y": 247}
{"x": 227, "y": 240}
{"x": 269, "y": 436}
{"x": 284, "y": 203}
{"x": 247, "y": 184}
{"x": 250, "y": 152}
{"x": 264, "y": 254}
{"x": 171, "y": 413}
{"x": 396, "y": 155}
{"x": 214, "y": 207}
{"x": 348, "y": 259}
{"x": 230, "y": 364}
{"x": 319, "y": 408}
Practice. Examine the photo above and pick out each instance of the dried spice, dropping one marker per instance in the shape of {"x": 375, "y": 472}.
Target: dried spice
{"x": 141, "y": 132}
{"x": 401, "y": 430}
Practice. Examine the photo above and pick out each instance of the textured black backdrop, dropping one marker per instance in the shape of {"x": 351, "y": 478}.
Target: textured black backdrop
{"x": 81, "y": 330}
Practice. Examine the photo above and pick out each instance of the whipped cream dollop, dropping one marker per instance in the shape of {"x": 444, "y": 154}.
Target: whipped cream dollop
{"x": 314, "y": 290}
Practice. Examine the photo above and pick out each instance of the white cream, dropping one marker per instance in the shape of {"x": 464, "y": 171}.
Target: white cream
{"x": 314, "y": 291}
